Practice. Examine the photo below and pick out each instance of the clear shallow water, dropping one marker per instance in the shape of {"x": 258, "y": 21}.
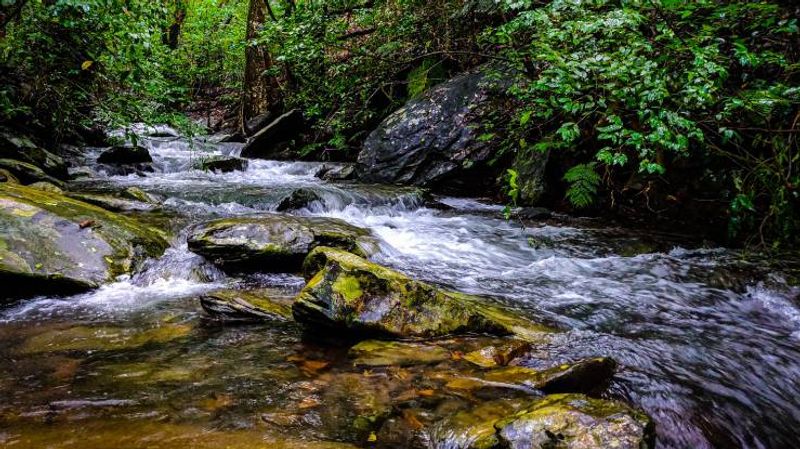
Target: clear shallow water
{"x": 709, "y": 345}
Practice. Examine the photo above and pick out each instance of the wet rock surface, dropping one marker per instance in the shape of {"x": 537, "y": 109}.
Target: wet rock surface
{"x": 125, "y": 155}
{"x": 349, "y": 293}
{"x": 273, "y": 243}
{"x": 237, "y": 305}
{"x": 223, "y": 164}
{"x": 53, "y": 244}
{"x": 433, "y": 141}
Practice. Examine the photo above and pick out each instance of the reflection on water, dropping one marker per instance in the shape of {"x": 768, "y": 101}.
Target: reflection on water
{"x": 709, "y": 344}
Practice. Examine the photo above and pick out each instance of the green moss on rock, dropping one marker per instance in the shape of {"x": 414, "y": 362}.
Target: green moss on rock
{"x": 238, "y": 305}
{"x": 67, "y": 245}
{"x": 273, "y": 243}
{"x": 348, "y": 292}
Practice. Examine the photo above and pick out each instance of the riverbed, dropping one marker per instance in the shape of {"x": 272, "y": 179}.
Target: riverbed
{"x": 708, "y": 341}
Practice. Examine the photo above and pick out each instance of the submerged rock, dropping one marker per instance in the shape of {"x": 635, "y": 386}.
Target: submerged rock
{"x": 27, "y": 173}
{"x": 273, "y": 243}
{"x": 124, "y": 155}
{"x": 435, "y": 140}
{"x": 101, "y": 338}
{"x": 393, "y": 353}
{"x": 571, "y": 421}
{"x": 223, "y": 164}
{"x": 584, "y": 376}
{"x": 347, "y": 292}
{"x": 52, "y": 244}
{"x": 299, "y": 199}
{"x": 237, "y": 305}
{"x": 498, "y": 355}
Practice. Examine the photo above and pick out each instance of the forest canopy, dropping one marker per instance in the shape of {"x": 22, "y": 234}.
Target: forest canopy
{"x": 641, "y": 104}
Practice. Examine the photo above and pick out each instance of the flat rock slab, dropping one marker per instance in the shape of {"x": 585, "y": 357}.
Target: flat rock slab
{"x": 274, "y": 243}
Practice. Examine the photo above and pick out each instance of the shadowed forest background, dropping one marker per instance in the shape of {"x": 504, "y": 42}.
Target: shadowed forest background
{"x": 661, "y": 111}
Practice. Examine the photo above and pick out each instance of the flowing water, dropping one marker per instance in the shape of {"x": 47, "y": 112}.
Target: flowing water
{"x": 709, "y": 345}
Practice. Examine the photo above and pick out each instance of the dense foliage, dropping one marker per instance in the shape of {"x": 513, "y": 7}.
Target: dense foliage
{"x": 636, "y": 87}
{"x": 641, "y": 104}
{"x": 70, "y": 63}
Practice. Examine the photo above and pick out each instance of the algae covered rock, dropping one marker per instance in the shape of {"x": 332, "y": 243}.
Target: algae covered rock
{"x": 237, "y": 305}
{"x": 570, "y": 421}
{"x": 23, "y": 149}
{"x": 393, "y": 353}
{"x": 273, "y": 243}
{"x": 350, "y": 293}
{"x": 27, "y": 173}
{"x": 52, "y": 244}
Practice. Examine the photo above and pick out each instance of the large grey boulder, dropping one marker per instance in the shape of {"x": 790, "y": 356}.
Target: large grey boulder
{"x": 436, "y": 140}
{"x": 52, "y": 244}
{"x": 274, "y": 243}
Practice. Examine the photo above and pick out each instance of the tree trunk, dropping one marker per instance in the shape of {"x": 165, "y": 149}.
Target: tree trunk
{"x": 261, "y": 92}
{"x": 172, "y": 33}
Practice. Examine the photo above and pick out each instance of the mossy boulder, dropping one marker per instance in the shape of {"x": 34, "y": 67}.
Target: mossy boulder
{"x": 394, "y": 353}
{"x": 27, "y": 173}
{"x": 273, "y": 243}
{"x": 238, "y": 305}
{"x": 23, "y": 149}
{"x": 52, "y": 244}
{"x": 125, "y": 155}
{"x": 347, "y": 292}
{"x": 572, "y": 421}
{"x": 223, "y": 164}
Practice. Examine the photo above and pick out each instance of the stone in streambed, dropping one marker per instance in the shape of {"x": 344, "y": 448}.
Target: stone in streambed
{"x": 46, "y": 187}
{"x": 571, "y": 421}
{"x": 112, "y": 203}
{"x": 346, "y": 292}
{"x": 498, "y": 355}
{"x": 23, "y": 149}
{"x": 52, "y": 244}
{"x": 27, "y": 173}
{"x": 393, "y": 353}
{"x": 125, "y": 155}
{"x": 338, "y": 172}
{"x": 101, "y": 338}
{"x": 273, "y": 243}
{"x": 299, "y": 199}
{"x": 237, "y": 305}
{"x": 223, "y": 164}
{"x": 585, "y": 376}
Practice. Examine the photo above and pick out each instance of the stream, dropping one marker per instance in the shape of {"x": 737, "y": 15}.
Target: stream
{"x": 708, "y": 344}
